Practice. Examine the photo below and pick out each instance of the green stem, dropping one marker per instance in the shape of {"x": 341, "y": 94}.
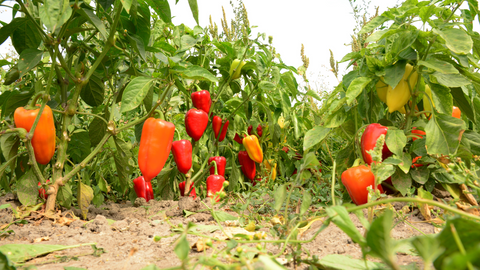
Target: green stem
{"x": 333, "y": 182}
{"x": 31, "y": 158}
{"x": 460, "y": 246}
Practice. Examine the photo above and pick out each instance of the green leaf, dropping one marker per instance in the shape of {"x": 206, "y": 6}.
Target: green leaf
{"x": 127, "y": 4}
{"x": 314, "y": 95}
{"x": 442, "y": 98}
{"x": 393, "y": 74}
{"x": 439, "y": 65}
{"x": 65, "y": 196}
{"x": 224, "y": 216}
{"x": 266, "y": 86}
{"x": 162, "y": 8}
{"x": 96, "y": 131}
{"x": 121, "y": 157}
{"x": 443, "y": 134}
{"x": 84, "y": 198}
{"x": 135, "y": 92}
{"x": 396, "y": 141}
{"x": 94, "y": 91}
{"x": 306, "y": 202}
{"x": 342, "y": 262}
{"x": 8, "y": 29}
{"x": 182, "y": 248}
{"x": 379, "y": 240}
{"x": 5, "y": 263}
{"x": 310, "y": 161}
{"x": 54, "y": 13}
{"x": 356, "y": 87}
{"x": 16, "y": 99}
{"x": 195, "y": 72}
{"x": 374, "y": 23}
{"x": 402, "y": 182}
{"x": 138, "y": 45}
{"x": 26, "y": 36}
{"x": 9, "y": 143}
{"x": 280, "y": 195}
{"x": 27, "y": 189}
{"x": 29, "y": 58}
{"x": 341, "y": 218}
{"x": 79, "y": 146}
{"x": 406, "y": 162}
{"x": 314, "y": 136}
{"x": 463, "y": 103}
{"x": 420, "y": 174}
{"x": 457, "y": 40}
{"x": 267, "y": 262}
{"x": 18, "y": 253}
{"x": 90, "y": 16}
{"x": 451, "y": 80}
{"x": 194, "y": 8}
{"x": 290, "y": 82}
{"x": 471, "y": 140}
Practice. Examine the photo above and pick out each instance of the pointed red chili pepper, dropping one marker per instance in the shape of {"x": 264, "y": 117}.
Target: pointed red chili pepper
{"x": 201, "y": 100}
{"x": 248, "y": 165}
{"x": 238, "y": 139}
{"x": 221, "y": 165}
{"x": 196, "y": 122}
{"x": 41, "y": 191}
{"x": 143, "y": 188}
{"x": 182, "y": 153}
{"x": 215, "y": 184}
{"x": 418, "y": 132}
{"x": 216, "y": 125}
{"x": 259, "y": 130}
{"x": 181, "y": 186}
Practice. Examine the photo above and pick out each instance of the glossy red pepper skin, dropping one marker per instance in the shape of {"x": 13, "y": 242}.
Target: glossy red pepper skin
{"x": 238, "y": 139}
{"x": 248, "y": 165}
{"x": 182, "y": 154}
{"x": 369, "y": 139}
{"x": 418, "y": 132}
{"x": 155, "y": 146}
{"x": 259, "y": 130}
{"x": 221, "y": 165}
{"x": 43, "y": 140}
{"x": 214, "y": 185}
{"x": 196, "y": 122}
{"x": 216, "y": 125}
{"x": 414, "y": 162}
{"x": 142, "y": 188}
{"x": 201, "y": 100}
{"x": 356, "y": 180}
{"x": 181, "y": 186}
{"x": 41, "y": 191}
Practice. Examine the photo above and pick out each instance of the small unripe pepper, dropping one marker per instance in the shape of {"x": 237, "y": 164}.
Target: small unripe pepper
{"x": 201, "y": 100}
{"x": 155, "y": 146}
{"x": 196, "y": 122}
{"x": 182, "y": 153}
{"x": 221, "y": 165}
{"x": 248, "y": 165}
{"x": 181, "y": 186}
{"x": 143, "y": 188}
{"x": 236, "y": 64}
{"x": 43, "y": 140}
{"x": 216, "y": 125}
{"x": 253, "y": 148}
{"x": 215, "y": 184}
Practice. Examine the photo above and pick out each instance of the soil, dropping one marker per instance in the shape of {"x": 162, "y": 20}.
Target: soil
{"x": 126, "y": 233}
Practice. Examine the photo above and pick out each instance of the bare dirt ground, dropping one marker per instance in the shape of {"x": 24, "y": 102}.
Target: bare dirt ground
{"x": 126, "y": 233}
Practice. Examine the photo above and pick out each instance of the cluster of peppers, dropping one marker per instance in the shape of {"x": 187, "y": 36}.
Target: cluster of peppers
{"x": 253, "y": 153}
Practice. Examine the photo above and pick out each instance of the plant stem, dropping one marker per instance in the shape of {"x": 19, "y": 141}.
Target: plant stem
{"x": 333, "y": 182}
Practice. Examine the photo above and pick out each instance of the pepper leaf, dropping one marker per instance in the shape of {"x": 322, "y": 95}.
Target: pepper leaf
{"x": 27, "y": 189}
{"x": 444, "y": 133}
{"x": 280, "y": 196}
{"x": 84, "y": 198}
{"x": 135, "y": 92}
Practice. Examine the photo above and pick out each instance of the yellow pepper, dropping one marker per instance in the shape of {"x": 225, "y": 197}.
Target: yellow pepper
{"x": 273, "y": 173}
{"x": 427, "y": 106}
{"x": 382, "y": 89}
{"x": 399, "y": 96}
{"x": 253, "y": 148}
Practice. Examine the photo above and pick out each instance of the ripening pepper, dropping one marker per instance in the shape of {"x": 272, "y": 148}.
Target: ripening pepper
{"x": 271, "y": 172}
{"x": 155, "y": 146}
{"x": 215, "y": 184}
{"x": 428, "y": 100}
{"x": 182, "y": 153}
{"x": 456, "y": 112}
{"x": 41, "y": 191}
{"x": 369, "y": 140}
{"x": 253, "y": 148}
{"x": 259, "y": 130}
{"x": 238, "y": 139}
{"x": 216, "y": 125}
{"x": 221, "y": 165}
{"x": 382, "y": 89}
{"x": 356, "y": 180}
{"x": 196, "y": 122}
{"x": 414, "y": 162}
{"x": 143, "y": 188}
{"x": 43, "y": 140}
{"x": 399, "y": 96}
{"x": 238, "y": 66}
{"x": 201, "y": 100}
{"x": 248, "y": 165}
{"x": 193, "y": 193}
{"x": 418, "y": 132}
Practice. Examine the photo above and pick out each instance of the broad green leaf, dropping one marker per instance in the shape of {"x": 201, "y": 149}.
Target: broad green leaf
{"x": 439, "y": 65}
{"x": 65, "y": 196}
{"x": 182, "y": 248}
{"x": 89, "y": 15}
{"x": 27, "y": 189}
{"x": 194, "y": 8}
{"x": 374, "y": 23}
{"x": 379, "y": 240}
{"x": 420, "y": 174}
{"x": 306, "y": 202}
{"x": 341, "y": 218}
{"x": 396, "y": 141}
{"x": 426, "y": 12}
{"x": 9, "y": 143}
{"x": 342, "y": 262}
{"x": 121, "y": 158}
{"x": 471, "y": 140}
{"x": 135, "y": 92}
{"x": 406, "y": 162}
{"x": 94, "y": 91}
{"x": 393, "y": 74}
{"x": 79, "y": 146}
{"x": 314, "y": 95}
{"x": 384, "y": 171}
{"x": 314, "y": 136}
{"x": 444, "y": 133}
{"x": 29, "y": 58}
{"x": 162, "y": 8}
{"x": 310, "y": 161}
{"x": 96, "y": 131}
{"x": 138, "y": 45}
{"x": 442, "y": 98}
{"x": 401, "y": 181}
{"x": 376, "y": 36}
{"x": 5, "y": 263}
{"x": 25, "y": 36}
{"x": 290, "y": 82}
{"x": 451, "y": 80}
{"x": 280, "y": 195}
{"x": 84, "y": 198}
{"x": 457, "y": 40}
{"x": 463, "y": 102}
{"x": 356, "y": 87}
{"x": 54, "y": 13}
{"x": 402, "y": 42}
{"x": 187, "y": 42}
{"x": 224, "y": 216}
{"x": 16, "y": 99}
{"x": 194, "y": 72}
{"x": 266, "y": 86}
{"x": 18, "y": 253}
{"x": 336, "y": 119}
{"x": 127, "y": 4}
{"x": 8, "y": 29}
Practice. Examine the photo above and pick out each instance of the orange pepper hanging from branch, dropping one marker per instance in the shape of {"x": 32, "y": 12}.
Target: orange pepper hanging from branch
{"x": 253, "y": 148}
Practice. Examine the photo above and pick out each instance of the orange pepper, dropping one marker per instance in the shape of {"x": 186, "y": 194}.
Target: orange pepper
{"x": 253, "y": 148}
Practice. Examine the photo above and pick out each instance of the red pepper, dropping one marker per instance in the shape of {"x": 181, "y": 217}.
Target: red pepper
{"x": 182, "y": 190}
{"x": 356, "y": 180}
{"x": 259, "y": 130}
{"x": 418, "y": 132}
{"x": 143, "y": 188}
{"x": 196, "y": 122}
{"x": 216, "y": 125}
{"x": 285, "y": 149}
{"x": 248, "y": 165}
{"x": 215, "y": 184}
{"x": 221, "y": 164}
{"x": 414, "y": 162}
{"x": 238, "y": 139}
{"x": 201, "y": 100}
{"x": 155, "y": 146}
{"x": 182, "y": 153}
{"x": 41, "y": 191}
{"x": 369, "y": 139}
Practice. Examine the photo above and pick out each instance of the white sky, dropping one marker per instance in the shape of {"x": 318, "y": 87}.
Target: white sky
{"x": 319, "y": 24}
